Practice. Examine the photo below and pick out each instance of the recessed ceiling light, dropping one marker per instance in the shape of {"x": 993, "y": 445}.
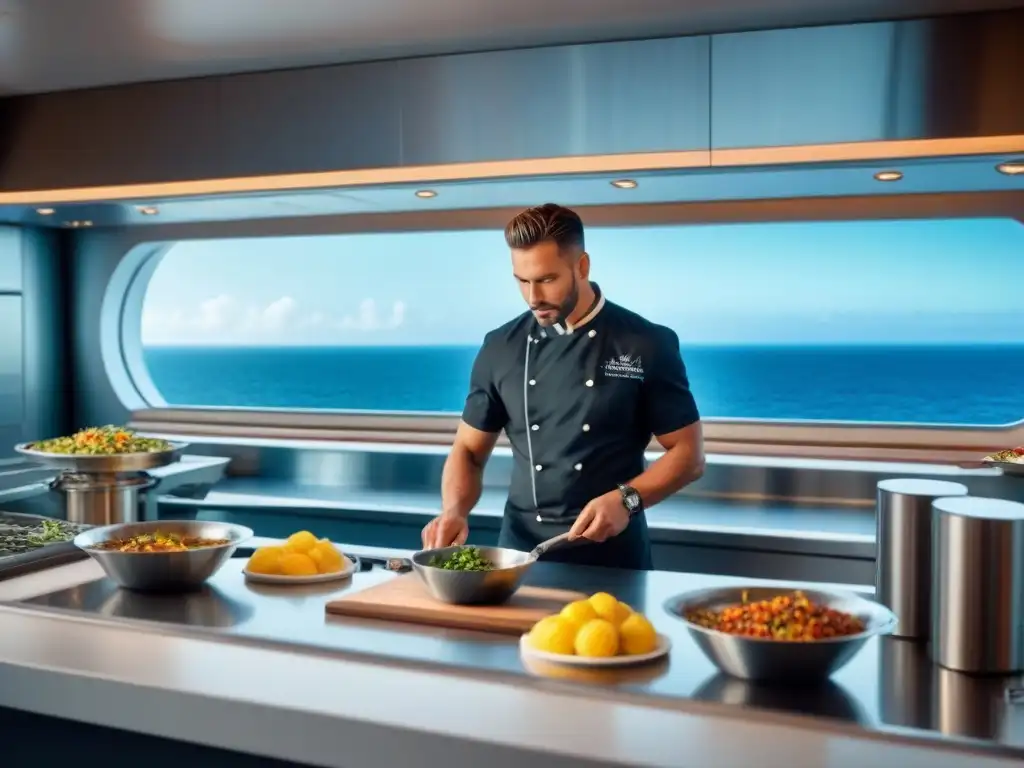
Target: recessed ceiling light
{"x": 888, "y": 176}
{"x": 624, "y": 184}
{"x": 45, "y": 211}
{"x": 425, "y": 193}
{"x": 78, "y": 223}
{"x": 1012, "y": 168}
{"x": 147, "y": 210}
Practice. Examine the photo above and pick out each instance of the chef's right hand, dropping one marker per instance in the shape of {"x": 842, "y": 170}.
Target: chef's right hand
{"x": 446, "y": 530}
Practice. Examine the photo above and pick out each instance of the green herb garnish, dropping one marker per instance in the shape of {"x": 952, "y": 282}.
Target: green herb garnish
{"x": 26, "y": 539}
{"x": 465, "y": 559}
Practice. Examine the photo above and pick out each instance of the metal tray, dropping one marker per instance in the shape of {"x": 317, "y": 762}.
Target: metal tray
{"x": 1008, "y": 467}
{"x": 97, "y": 465}
{"x": 46, "y": 556}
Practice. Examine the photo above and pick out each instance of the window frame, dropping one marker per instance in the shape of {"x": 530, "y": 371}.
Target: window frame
{"x": 959, "y": 445}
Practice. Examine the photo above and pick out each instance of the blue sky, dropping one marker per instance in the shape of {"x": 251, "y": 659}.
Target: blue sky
{"x": 937, "y": 281}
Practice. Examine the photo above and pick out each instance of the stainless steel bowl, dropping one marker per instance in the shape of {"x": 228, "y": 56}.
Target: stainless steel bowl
{"x": 480, "y": 587}
{"x": 758, "y": 659}
{"x": 163, "y": 571}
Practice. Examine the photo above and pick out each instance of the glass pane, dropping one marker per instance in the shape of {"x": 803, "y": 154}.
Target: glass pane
{"x": 876, "y": 321}
{"x": 12, "y": 409}
{"x": 10, "y": 260}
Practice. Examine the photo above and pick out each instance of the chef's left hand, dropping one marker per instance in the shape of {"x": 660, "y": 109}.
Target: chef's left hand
{"x": 602, "y": 518}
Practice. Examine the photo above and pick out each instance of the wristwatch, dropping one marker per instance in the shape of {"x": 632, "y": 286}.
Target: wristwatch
{"x": 631, "y": 499}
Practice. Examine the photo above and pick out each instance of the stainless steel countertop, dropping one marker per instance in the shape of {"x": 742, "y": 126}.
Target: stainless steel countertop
{"x": 888, "y": 688}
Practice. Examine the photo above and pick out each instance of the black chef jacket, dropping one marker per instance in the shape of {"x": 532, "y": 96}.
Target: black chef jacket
{"x": 579, "y": 408}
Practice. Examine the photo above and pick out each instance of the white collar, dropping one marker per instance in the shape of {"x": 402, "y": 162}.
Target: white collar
{"x": 570, "y": 327}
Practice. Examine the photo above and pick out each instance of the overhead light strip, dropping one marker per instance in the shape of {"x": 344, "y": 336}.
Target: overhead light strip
{"x": 622, "y": 164}
{"x": 869, "y": 151}
{"x": 427, "y": 175}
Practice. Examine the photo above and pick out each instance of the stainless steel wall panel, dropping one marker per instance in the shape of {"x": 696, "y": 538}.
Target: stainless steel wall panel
{"x": 936, "y": 78}
{"x": 800, "y": 86}
{"x": 639, "y": 96}
{"x": 329, "y": 118}
{"x": 130, "y": 134}
{"x": 47, "y": 385}
{"x": 947, "y": 78}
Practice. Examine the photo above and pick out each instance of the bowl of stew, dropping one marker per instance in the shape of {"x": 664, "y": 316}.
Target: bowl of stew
{"x": 780, "y": 635}
{"x": 162, "y": 555}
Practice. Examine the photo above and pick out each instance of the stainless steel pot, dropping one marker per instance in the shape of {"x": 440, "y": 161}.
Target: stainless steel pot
{"x": 480, "y": 587}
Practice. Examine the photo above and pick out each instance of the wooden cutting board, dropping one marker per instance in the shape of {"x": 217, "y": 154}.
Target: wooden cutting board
{"x": 406, "y": 599}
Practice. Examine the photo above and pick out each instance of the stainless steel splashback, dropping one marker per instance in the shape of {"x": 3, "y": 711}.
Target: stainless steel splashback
{"x": 394, "y": 468}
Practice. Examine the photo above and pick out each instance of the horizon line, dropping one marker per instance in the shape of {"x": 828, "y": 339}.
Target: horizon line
{"x": 683, "y": 344}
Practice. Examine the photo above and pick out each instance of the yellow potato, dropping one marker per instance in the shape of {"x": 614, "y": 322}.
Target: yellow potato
{"x": 637, "y": 635}
{"x": 266, "y": 560}
{"x": 553, "y": 634}
{"x": 579, "y": 612}
{"x": 297, "y": 564}
{"x": 327, "y": 557}
{"x": 597, "y": 639}
{"x": 303, "y": 541}
{"x": 610, "y": 609}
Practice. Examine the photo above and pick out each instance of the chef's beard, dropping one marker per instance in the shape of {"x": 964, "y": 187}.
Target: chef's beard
{"x": 566, "y": 308}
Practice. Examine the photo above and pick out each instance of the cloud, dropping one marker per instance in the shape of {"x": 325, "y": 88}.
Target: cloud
{"x": 225, "y": 319}
{"x": 278, "y": 315}
{"x": 215, "y": 314}
{"x": 368, "y": 319}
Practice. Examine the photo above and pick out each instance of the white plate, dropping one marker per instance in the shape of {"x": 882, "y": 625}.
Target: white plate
{"x": 270, "y": 578}
{"x": 1008, "y": 467}
{"x": 663, "y": 647}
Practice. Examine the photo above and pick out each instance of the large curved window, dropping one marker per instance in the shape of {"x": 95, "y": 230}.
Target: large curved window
{"x": 871, "y": 321}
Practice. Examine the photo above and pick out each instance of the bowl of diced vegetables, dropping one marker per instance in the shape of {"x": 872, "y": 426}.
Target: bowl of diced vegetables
{"x": 103, "y": 450}
{"x": 467, "y": 575}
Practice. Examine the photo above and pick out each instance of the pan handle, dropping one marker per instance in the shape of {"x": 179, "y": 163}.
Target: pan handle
{"x": 546, "y": 546}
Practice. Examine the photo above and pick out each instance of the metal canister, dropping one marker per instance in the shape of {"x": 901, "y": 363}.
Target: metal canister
{"x": 903, "y": 563}
{"x": 978, "y": 597}
{"x": 102, "y": 499}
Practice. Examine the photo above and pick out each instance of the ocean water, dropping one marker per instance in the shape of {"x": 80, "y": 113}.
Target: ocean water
{"x": 980, "y": 385}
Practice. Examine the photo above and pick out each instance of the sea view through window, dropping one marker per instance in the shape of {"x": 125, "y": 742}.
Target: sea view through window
{"x": 869, "y": 321}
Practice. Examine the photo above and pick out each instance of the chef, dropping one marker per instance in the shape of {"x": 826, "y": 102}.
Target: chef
{"x": 579, "y": 384}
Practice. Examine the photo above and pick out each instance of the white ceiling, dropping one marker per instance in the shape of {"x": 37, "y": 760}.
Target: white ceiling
{"x": 49, "y": 45}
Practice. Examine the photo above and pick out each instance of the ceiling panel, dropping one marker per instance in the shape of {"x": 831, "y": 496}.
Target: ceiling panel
{"x": 48, "y": 45}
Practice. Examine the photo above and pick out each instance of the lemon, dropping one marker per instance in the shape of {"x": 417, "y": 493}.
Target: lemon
{"x": 609, "y": 609}
{"x": 327, "y": 557}
{"x": 303, "y": 541}
{"x": 597, "y": 638}
{"x": 297, "y": 564}
{"x": 553, "y": 635}
{"x": 578, "y": 612}
{"x": 637, "y": 635}
{"x": 266, "y": 560}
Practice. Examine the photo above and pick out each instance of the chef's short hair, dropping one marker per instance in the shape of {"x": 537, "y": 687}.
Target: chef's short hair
{"x": 546, "y": 223}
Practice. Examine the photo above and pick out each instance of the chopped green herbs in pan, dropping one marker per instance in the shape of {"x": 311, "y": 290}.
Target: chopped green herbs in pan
{"x": 466, "y": 559}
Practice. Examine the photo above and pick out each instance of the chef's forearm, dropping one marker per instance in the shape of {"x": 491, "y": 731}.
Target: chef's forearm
{"x": 461, "y": 482}
{"x": 677, "y": 468}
